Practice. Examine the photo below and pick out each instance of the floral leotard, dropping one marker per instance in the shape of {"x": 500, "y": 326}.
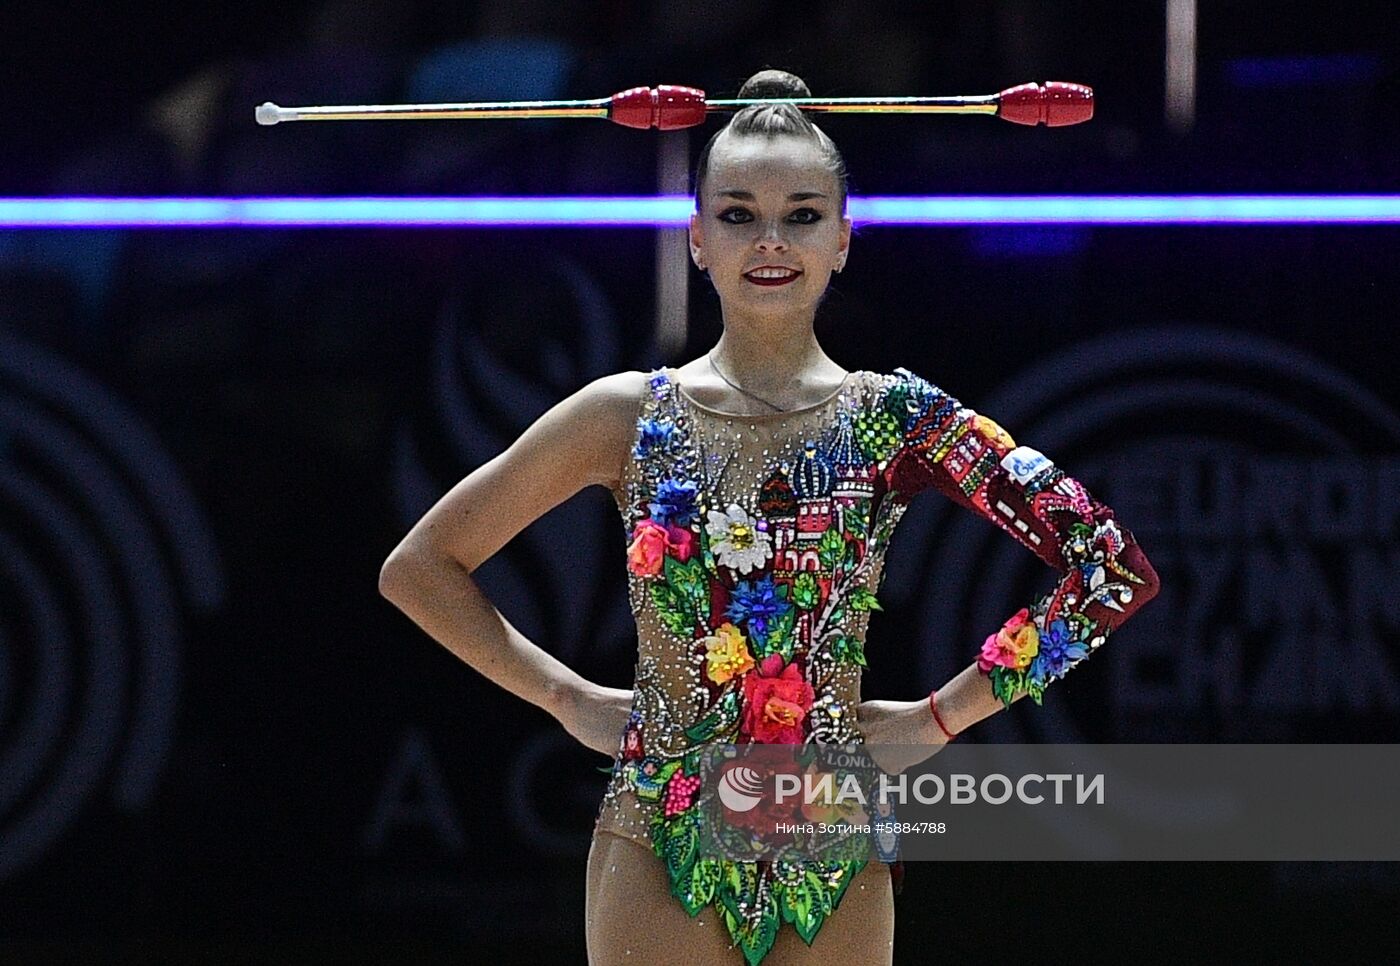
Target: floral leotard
{"x": 755, "y": 550}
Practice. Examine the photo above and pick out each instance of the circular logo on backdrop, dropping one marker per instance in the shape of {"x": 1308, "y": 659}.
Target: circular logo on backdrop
{"x": 501, "y": 358}
{"x": 103, "y": 547}
{"x": 1259, "y": 481}
{"x": 505, "y": 349}
{"x": 1262, "y": 483}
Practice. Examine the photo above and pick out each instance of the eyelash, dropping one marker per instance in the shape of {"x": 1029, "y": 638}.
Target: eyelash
{"x": 816, "y": 215}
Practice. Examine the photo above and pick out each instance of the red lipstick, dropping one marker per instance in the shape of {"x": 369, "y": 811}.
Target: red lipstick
{"x": 793, "y": 275}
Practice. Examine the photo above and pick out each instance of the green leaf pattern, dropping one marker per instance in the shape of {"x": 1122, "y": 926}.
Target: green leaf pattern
{"x": 862, "y": 599}
{"x": 805, "y": 591}
{"x": 830, "y": 548}
{"x": 752, "y": 900}
{"x": 778, "y": 640}
{"x": 673, "y": 609}
{"x": 719, "y": 722}
{"x": 688, "y": 582}
{"x": 849, "y": 648}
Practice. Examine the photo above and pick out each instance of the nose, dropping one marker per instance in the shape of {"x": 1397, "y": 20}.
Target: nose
{"x": 770, "y": 239}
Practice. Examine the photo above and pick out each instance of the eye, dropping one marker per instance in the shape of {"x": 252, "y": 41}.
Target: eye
{"x": 806, "y": 216}
{"x": 735, "y": 216}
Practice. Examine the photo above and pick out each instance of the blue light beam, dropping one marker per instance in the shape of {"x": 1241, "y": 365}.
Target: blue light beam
{"x": 674, "y": 210}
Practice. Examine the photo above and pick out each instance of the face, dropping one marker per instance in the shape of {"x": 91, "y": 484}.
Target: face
{"x": 769, "y": 230}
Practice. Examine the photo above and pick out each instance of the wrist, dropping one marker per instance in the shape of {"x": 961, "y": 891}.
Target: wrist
{"x": 948, "y": 733}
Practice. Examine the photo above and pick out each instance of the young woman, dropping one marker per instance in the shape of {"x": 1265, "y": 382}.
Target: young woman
{"x": 759, "y": 485}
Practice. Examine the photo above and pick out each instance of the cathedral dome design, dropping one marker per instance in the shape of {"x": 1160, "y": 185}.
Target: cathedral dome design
{"x": 814, "y": 475}
{"x": 843, "y": 450}
{"x": 775, "y": 497}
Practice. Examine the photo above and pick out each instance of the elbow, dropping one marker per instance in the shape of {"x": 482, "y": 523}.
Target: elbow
{"x": 395, "y": 575}
{"x": 405, "y": 571}
{"x": 389, "y": 577}
{"x": 1151, "y": 583}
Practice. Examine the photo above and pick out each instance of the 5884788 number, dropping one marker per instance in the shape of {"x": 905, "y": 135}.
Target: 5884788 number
{"x": 886, "y": 826}
{"x": 912, "y": 828}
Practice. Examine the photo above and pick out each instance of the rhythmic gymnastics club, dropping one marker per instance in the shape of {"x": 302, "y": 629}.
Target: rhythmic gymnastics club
{"x": 668, "y": 107}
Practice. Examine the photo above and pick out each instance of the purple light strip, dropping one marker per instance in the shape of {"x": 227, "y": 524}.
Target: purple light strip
{"x": 674, "y": 210}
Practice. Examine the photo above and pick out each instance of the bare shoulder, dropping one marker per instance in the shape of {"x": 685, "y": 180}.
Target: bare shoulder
{"x": 583, "y": 439}
{"x": 611, "y": 403}
{"x": 617, "y": 395}
{"x": 604, "y": 412}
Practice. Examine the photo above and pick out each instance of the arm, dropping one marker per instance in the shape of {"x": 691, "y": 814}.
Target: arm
{"x": 1104, "y": 575}
{"x": 584, "y": 439}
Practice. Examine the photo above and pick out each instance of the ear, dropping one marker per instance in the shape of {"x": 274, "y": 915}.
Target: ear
{"x": 844, "y": 244}
{"x": 696, "y": 241}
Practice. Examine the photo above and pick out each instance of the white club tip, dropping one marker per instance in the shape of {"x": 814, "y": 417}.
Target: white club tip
{"x": 268, "y": 113}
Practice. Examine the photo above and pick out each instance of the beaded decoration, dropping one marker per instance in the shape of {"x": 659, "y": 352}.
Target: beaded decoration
{"x": 756, "y": 548}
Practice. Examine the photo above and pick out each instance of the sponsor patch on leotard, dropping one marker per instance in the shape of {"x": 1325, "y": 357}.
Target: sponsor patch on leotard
{"x": 1025, "y": 464}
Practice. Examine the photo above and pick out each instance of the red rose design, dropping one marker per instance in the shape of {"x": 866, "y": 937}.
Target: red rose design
{"x": 651, "y": 542}
{"x": 762, "y": 820}
{"x": 776, "y": 699}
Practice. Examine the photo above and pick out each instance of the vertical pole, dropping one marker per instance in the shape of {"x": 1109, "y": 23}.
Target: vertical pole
{"x": 1181, "y": 65}
{"x": 672, "y": 246}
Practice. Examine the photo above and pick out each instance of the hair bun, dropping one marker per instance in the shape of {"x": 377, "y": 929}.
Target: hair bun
{"x": 773, "y": 84}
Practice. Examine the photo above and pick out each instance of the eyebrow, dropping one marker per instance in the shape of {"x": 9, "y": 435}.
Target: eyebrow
{"x": 748, "y": 195}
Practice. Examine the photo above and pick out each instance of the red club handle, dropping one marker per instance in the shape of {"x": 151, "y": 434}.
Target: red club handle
{"x": 667, "y": 107}
{"x": 1054, "y": 104}
{"x": 671, "y": 107}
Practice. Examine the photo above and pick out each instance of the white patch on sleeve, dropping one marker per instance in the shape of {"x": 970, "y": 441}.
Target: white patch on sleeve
{"x": 1025, "y": 464}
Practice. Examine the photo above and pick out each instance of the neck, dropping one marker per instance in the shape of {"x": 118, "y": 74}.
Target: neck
{"x": 771, "y": 355}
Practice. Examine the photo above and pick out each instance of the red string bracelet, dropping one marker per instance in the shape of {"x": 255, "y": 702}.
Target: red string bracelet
{"x": 933, "y": 706}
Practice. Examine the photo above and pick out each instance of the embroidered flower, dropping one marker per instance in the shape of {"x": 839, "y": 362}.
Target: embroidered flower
{"x": 767, "y": 818}
{"x": 758, "y": 603}
{"x": 1109, "y": 537}
{"x": 988, "y": 427}
{"x": 675, "y": 502}
{"x": 776, "y": 699}
{"x": 1057, "y": 649}
{"x": 726, "y": 653}
{"x": 1013, "y": 646}
{"x": 653, "y": 435}
{"x": 738, "y": 540}
{"x": 651, "y": 541}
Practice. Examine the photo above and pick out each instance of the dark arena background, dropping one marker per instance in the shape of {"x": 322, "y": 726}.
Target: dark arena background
{"x": 219, "y": 744}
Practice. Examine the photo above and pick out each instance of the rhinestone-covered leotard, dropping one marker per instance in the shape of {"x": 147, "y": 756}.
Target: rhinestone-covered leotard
{"x": 756, "y": 548}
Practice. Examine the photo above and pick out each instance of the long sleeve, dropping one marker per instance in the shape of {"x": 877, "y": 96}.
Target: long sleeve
{"x": 1104, "y": 575}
